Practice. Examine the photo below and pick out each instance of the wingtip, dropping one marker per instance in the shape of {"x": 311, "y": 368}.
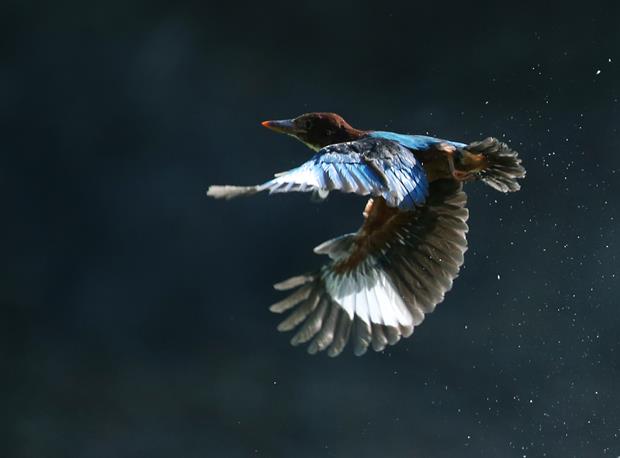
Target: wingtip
{"x": 216, "y": 191}
{"x": 504, "y": 166}
{"x": 293, "y": 282}
{"x": 229, "y": 192}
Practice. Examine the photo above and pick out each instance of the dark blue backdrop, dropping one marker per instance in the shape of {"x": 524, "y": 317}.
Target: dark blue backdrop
{"x": 134, "y": 309}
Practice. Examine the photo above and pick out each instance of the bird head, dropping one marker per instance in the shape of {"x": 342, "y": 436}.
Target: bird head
{"x": 316, "y": 130}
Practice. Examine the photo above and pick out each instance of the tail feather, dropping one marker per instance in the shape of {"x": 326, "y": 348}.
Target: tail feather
{"x": 230, "y": 192}
{"x": 503, "y": 165}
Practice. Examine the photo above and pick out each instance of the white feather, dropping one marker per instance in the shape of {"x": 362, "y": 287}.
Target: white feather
{"x": 387, "y": 312}
{"x": 378, "y": 303}
{"x": 334, "y": 285}
{"x": 303, "y": 175}
{"x": 373, "y": 304}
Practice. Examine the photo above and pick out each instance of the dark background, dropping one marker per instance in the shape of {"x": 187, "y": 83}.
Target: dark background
{"x": 134, "y": 309}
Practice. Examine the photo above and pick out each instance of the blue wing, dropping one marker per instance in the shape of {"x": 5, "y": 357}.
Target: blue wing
{"x": 414, "y": 142}
{"x": 369, "y": 166}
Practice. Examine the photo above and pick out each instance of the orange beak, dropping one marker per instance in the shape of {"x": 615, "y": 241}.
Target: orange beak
{"x": 284, "y": 126}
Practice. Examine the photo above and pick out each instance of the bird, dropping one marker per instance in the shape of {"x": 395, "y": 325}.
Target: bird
{"x": 381, "y": 281}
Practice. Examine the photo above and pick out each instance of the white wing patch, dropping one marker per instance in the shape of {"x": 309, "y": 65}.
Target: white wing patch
{"x": 303, "y": 175}
{"x": 370, "y": 296}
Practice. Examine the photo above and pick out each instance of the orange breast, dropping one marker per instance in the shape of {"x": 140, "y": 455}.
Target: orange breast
{"x": 379, "y": 228}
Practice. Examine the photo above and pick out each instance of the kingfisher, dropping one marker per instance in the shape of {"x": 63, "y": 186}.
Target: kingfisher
{"x": 380, "y": 281}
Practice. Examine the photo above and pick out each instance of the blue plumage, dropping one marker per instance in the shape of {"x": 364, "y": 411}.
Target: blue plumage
{"x": 414, "y": 142}
{"x": 377, "y": 163}
{"x": 374, "y": 166}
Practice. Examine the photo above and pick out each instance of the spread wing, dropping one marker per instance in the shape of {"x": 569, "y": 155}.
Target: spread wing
{"x": 370, "y": 166}
{"x": 383, "y": 279}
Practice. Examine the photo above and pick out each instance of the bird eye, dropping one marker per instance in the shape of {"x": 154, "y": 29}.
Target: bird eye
{"x": 307, "y": 124}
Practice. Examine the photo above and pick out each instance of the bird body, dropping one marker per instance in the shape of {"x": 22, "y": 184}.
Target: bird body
{"x": 383, "y": 279}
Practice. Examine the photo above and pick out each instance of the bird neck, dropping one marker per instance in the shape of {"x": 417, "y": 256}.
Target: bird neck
{"x": 343, "y": 134}
{"x": 351, "y": 133}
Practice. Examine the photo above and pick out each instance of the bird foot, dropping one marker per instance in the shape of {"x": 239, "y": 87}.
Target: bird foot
{"x": 462, "y": 176}
{"x": 458, "y": 175}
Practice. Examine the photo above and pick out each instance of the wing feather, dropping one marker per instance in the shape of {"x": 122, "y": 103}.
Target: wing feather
{"x": 326, "y": 335}
{"x": 382, "y": 280}
{"x": 375, "y": 166}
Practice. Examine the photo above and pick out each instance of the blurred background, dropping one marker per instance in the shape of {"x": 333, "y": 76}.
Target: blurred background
{"x": 133, "y": 310}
